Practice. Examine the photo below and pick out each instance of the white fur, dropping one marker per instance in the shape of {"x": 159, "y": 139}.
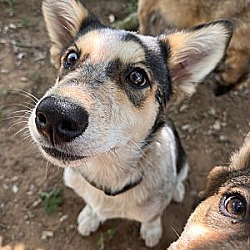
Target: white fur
{"x": 143, "y": 202}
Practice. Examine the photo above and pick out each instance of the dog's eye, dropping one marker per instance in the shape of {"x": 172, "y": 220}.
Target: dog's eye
{"x": 234, "y": 205}
{"x": 71, "y": 59}
{"x": 137, "y": 77}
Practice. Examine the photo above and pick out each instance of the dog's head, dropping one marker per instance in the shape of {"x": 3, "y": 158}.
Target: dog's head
{"x": 222, "y": 219}
{"x": 113, "y": 85}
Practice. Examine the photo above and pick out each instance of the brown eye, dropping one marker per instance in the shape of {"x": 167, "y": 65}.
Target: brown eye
{"x": 138, "y": 78}
{"x": 71, "y": 59}
{"x": 234, "y": 206}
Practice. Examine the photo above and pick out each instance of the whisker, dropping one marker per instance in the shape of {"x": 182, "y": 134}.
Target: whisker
{"x": 26, "y": 94}
{"x": 22, "y": 111}
{"x": 25, "y": 116}
{"x": 46, "y": 171}
{"x": 25, "y": 138}
{"x": 16, "y": 123}
{"x": 20, "y": 130}
{"x": 177, "y": 234}
{"x": 19, "y": 105}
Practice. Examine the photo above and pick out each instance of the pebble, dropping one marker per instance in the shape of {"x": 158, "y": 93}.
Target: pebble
{"x": 20, "y": 55}
{"x": 217, "y": 125}
{"x": 12, "y": 26}
{"x": 32, "y": 189}
{"x": 5, "y": 29}
{"x": 111, "y": 18}
{"x": 185, "y": 127}
{"x": 71, "y": 227}
{"x": 4, "y": 71}
{"x": 63, "y": 218}
{"x": 14, "y": 179}
{"x": 47, "y": 234}
{"x": 36, "y": 203}
{"x": 183, "y": 107}
{"x": 223, "y": 138}
{"x": 15, "y": 188}
{"x": 24, "y": 79}
{"x": 212, "y": 111}
{"x": 3, "y": 41}
{"x": 39, "y": 56}
{"x": 2, "y": 206}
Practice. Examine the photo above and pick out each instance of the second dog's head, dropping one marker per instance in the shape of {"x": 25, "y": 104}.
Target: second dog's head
{"x": 113, "y": 85}
{"x": 222, "y": 219}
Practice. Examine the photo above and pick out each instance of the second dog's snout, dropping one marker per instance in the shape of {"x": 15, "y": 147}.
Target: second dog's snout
{"x": 60, "y": 120}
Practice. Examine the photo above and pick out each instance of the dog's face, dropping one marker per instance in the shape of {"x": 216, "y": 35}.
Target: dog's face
{"x": 113, "y": 85}
{"x": 222, "y": 219}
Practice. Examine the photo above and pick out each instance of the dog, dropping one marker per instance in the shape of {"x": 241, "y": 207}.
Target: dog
{"x": 156, "y": 16}
{"x": 222, "y": 219}
{"x": 105, "y": 119}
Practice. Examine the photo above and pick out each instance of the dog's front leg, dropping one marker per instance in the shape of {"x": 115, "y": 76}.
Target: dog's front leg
{"x": 151, "y": 231}
{"x": 88, "y": 221}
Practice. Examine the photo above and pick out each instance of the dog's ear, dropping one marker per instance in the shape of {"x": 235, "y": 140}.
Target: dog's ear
{"x": 216, "y": 177}
{"x": 241, "y": 159}
{"x": 63, "y": 20}
{"x": 195, "y": 53}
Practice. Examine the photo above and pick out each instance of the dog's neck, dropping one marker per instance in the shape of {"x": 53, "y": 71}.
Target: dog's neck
{"x": 108, "y": 190}
{"x": 121, "y": 169}
{"x": 114, "y": 172}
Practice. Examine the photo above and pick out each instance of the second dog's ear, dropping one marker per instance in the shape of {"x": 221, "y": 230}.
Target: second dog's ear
{"x": 240, "y": 160}
{"x": 216, "y": 177}
{"x": 63, "y": 19}
{"x": 195, "y": 53}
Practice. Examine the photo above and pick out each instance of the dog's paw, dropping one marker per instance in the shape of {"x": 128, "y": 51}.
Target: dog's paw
{"x": 88, "y": 221}
{"x": 151, "y": 232}
{"x": 179, "y": 192}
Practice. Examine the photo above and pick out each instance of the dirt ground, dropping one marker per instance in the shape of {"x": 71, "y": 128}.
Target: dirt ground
{"x": 210, "y": 129}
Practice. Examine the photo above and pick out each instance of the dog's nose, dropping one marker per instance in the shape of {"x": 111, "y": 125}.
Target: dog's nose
{"x": 60, "y": 120}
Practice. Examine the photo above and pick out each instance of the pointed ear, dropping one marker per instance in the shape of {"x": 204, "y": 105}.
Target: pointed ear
{"x": 241, "y": 159}
{"x": 195, "y": 53}
{"x": 63, "y": 19}
{"x": 216, "y": 177}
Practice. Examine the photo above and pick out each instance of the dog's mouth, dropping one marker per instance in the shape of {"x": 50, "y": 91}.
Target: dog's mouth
{"x": 61, "y": 155}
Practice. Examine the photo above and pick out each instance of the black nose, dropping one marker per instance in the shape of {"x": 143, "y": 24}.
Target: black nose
{"x": 60, "y": 120}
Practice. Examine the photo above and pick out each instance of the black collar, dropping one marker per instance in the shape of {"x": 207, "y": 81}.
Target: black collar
{"x": 109, "y": 191}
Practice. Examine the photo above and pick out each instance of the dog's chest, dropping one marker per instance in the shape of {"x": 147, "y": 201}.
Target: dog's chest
{"x": 144, "y": 200}
{"x": 139, "y": 203}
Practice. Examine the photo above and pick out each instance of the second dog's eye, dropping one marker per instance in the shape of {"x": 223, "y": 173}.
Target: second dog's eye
{"x": 234, "y": 206}
{"x": 138, "y": 78}
{"x": 70, "y": 59}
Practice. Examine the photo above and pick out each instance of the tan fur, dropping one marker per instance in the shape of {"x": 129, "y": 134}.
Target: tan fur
{"x": 157, "y": 16}
{"x": 127, "y": 138}
{"x": 103, "y": 48}
{"x": 241, "y": 159}
{"x": 208, "y": 228}
{"x": 60, "y": 34}
{"x": 187, "y": 46}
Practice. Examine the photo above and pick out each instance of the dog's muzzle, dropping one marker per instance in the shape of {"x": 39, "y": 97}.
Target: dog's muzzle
{"x": 60, "y": 120}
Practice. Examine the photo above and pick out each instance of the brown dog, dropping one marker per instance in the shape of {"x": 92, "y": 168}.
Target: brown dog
{"x": 157, "y": 16}
{"x": 222, "y": 219}
{"x": 105, "y": 119}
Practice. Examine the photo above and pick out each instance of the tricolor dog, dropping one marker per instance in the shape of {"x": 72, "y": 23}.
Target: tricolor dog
{"x": 105, "y": 119}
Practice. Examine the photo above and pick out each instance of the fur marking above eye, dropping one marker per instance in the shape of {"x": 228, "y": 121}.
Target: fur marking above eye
{"x": 70, "y": 59}
{"x": 137, "y": 78}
